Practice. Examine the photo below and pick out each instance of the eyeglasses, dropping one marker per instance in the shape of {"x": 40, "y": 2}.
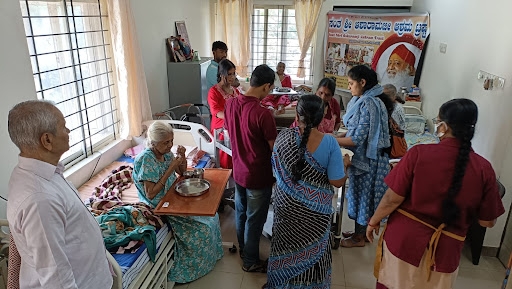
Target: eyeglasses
{"x": 436, "y": 120}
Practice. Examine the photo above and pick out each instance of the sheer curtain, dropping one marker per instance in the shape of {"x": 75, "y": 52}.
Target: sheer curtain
{"x": 306, "y": 18}
{"x": 132, "y": 89}
{"x": 234, "y": 28}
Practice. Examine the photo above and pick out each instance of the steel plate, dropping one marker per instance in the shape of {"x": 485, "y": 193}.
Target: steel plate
{"x": 192, "y": 187}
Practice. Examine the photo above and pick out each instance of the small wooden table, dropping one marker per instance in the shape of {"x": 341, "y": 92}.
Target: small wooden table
{"x": 204, "y": 205}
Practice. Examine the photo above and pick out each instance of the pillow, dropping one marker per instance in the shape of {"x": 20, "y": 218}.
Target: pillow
{"x": 190, "y": 151}
{"x": 134, "y": 151}
{"x": 414, "y": 123}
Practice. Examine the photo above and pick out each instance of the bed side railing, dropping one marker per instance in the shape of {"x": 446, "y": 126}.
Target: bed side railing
{"x": 409, "y": 109}
{"x": 118, "y": 280}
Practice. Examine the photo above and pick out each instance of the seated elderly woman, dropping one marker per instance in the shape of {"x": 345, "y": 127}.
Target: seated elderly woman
{"x": 154, "y": 172}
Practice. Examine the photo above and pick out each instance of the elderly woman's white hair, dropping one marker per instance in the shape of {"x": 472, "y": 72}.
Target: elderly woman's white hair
{"x": 157, "y": 132}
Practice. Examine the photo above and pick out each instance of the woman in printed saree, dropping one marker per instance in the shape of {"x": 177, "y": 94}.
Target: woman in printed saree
{"x": 154, "y": 172}
{"x": 306, "y": 164}
{"x": 435, "y": 193}
{"x": 368, "y": 137}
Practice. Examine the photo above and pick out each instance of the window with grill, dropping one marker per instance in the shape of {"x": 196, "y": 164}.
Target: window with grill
{"x": 274, "y": 40}
{"x": 71, "y": 56}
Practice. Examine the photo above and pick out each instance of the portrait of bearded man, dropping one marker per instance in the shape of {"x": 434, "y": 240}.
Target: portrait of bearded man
{"x": 400, "y": 70}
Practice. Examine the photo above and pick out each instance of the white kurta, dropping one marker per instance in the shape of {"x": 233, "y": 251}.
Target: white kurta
{"x": 58, "y": 239}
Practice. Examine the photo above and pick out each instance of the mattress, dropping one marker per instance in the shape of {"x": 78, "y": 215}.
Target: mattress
{"x": 129, "y": 195}
{"x": 132, "y": 264}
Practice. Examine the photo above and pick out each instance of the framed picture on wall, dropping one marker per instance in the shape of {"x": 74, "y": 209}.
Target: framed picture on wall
{"x": 181, "y": 29}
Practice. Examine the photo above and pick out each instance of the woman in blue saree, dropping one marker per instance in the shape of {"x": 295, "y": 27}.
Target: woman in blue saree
{"x": 306, "y": 164}
{"x": 368, "y": 137}
{"x": 198, "y": 239}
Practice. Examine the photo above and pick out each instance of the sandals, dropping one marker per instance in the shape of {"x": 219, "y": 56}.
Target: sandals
{"x": 349, "y": 234}
{"x": 260, "y": 267}
{"x": 352, "y": 242}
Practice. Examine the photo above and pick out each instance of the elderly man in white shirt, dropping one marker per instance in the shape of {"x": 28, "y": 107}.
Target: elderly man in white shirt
{"x": 58, "y": 239}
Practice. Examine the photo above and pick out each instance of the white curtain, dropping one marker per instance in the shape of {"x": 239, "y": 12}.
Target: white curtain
{"x": 306, "y": 18}
{"x": 234, "y": 28}
{"x": 132, "y": 89}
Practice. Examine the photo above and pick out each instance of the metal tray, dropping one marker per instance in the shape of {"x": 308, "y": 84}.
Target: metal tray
{"x": 192, "y": 187}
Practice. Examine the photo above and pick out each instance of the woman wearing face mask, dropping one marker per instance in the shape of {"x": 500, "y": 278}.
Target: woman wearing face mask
{"x": 368, "y": 137}
{"x": 331, "y": 121}
{"x": 442, "y": 187}
{"x": 217, "y": 97}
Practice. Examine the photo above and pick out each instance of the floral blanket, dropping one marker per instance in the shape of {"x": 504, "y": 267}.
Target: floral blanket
{"x": 124, "y": 225}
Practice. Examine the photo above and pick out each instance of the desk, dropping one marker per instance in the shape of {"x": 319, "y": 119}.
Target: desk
{"x": 287, "y": 118}
{"x": 204, "y": 205}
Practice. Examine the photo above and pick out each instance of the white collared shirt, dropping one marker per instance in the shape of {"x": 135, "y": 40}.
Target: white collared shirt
{"x": 58, "y": 239}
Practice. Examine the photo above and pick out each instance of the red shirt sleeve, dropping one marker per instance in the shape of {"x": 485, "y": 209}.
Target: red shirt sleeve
{"x": 400, "y": 177}
{"x": 215, "y": 101}
{"x": 337, "y": 110}
{"x": 268, "y": 125}
{"x": 491, "y": 206}
{"x": 287, "y": 81}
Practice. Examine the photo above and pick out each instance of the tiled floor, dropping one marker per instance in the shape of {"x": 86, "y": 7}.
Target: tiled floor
{"x": 352, "y": 268}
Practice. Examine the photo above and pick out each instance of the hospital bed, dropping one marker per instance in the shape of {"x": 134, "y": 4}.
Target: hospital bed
{"x": 416, "y": 131}
{"x": 136, "y": 270}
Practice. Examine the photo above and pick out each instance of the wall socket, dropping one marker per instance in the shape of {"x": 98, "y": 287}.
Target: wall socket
{"x": 442, "y": 47}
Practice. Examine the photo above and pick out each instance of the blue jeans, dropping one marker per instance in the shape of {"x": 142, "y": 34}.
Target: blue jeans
{"x": 251, "y": 208}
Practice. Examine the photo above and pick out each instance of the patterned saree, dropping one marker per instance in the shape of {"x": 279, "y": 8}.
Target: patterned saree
{"x": 300, "y": 254}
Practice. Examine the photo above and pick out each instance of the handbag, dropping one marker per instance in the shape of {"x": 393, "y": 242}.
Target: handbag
{"x": 398, "y": 143}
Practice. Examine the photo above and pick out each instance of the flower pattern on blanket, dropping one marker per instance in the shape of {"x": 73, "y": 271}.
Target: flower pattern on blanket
{"x": 111, "y": 187}
{"x": 122, "y": 223}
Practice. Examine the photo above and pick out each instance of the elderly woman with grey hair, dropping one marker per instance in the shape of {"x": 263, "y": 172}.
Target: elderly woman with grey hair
{"x": 398, "y": 111}
{"x": 198, "y": 239}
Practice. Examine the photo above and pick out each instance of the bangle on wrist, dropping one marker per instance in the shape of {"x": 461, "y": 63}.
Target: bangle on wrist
{"x": 370, "y": 225}
{"x": 160, "y": 182}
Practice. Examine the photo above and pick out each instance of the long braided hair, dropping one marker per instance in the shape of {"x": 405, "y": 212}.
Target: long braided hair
{"x": 310, "y": 110}
{"x": 460, "y": 115}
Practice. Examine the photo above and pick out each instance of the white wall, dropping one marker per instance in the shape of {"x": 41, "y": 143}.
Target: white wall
{"x": 474, "y": 43}
{"x": 154, "y": 21}
{"x": 16, "y": 84}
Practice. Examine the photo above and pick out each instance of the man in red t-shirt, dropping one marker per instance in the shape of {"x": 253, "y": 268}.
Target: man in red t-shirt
{"x": 252, "y": 130}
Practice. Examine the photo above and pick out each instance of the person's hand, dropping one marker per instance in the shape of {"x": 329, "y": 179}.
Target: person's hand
{"x": 236, "y": 83}
{"x": 178, "y": 160}
{"x": 346, "y": 161}
{"x": 181, "y": 150}
{"x": 370, "y": 231}
{"x": 280, "y": 110}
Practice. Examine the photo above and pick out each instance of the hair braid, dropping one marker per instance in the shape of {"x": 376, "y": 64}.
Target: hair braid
{"x": 310, "y": 110}
{"x": 460, "y": 115}
{"x": 301, "y": 162}
{"x": 450, "y": 210}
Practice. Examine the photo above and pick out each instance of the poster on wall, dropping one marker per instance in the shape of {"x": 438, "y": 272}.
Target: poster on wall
{"x": 391, "y": 44}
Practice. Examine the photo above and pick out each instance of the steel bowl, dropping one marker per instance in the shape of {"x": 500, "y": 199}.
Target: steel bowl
{"x": 188, "y": 174}
{"x": 199, "y": 173}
